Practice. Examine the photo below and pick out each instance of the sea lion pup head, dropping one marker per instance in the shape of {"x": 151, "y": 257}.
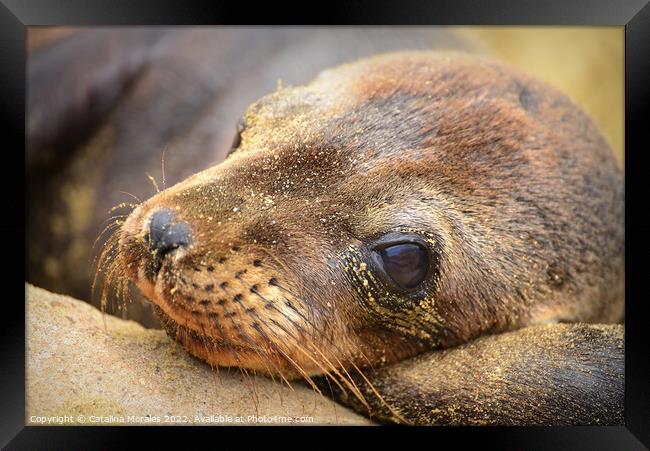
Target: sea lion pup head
{"x": 400, "y": 203}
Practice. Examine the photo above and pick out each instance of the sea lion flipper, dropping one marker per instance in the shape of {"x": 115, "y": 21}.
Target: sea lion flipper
{"x": 556, "y": 374}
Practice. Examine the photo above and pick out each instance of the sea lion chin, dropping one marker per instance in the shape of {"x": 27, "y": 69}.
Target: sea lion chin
{"x": 398, "y": 204}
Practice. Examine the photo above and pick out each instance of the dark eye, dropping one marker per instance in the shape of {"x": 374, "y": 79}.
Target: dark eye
{"x": 406, "y": 264}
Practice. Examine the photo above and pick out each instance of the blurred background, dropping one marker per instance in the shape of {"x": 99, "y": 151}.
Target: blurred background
{"x": 105, "y": 103}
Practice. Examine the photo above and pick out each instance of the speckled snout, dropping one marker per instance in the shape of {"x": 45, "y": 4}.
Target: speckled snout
{"x": 206, "y": 268}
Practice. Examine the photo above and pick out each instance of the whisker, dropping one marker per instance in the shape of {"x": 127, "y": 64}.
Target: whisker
{"x": 265, "y": 359}
{"x": 294, "y": 338}
{"x": 247, "y": 378}
{"x": 348, "y": 377}
{"x": 113, "y": 217}
{"x": 162, "y": 164}
{"x": 328, "y": 338}
{"x": 153, "y": 180}
{"x": 252, "y": 342}
{"x": 374, "y": 390}
{"x": 106, "y": 229}
{"x": 319, "y": 364}
{"x": 122, "y": 205}
{"x": 231, "y": 350}
{"x": 310, "y": 322}
{"x": 349, "y": 381}
{"x": 286, "y": 356}
{"x": 205, "y": 339}
{"x": 132, "y": 195}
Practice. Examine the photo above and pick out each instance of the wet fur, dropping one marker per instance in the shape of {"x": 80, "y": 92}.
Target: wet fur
{"x": 509, "y": 182}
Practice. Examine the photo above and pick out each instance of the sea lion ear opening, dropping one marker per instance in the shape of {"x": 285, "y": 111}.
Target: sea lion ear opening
{"x": 241, "y": 125}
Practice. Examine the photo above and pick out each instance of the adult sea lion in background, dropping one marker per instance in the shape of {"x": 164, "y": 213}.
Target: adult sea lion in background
{"x": 413, "y": 226}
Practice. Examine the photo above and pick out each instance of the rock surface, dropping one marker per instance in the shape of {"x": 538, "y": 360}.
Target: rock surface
{"x": 87, "y": 368}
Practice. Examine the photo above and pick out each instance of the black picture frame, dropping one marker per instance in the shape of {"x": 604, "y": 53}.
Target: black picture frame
{"x": 634, "y": 15}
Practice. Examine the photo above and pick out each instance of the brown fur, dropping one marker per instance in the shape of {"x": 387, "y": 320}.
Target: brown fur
{"x": 508, "y": 181}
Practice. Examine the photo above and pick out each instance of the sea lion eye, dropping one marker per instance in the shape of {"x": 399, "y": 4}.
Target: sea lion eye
{"x": 407, "y": 264}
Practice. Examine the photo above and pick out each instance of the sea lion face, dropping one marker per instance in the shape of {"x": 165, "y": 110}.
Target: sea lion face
{"x": 391, "y": 206}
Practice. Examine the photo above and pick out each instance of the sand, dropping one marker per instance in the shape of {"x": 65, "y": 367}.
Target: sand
{"x": 84, "y": 367}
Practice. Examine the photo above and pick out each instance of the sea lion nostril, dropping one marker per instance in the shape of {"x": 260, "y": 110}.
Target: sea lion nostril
{"x": 159, "y": 222}
{"x": 165, "y": 235}
{"x": 175, "y": 236}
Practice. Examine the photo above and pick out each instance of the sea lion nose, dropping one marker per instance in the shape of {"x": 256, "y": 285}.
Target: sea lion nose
{"x": 166, "y": 235}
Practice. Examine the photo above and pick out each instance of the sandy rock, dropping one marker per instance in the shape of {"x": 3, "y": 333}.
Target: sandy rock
{"x": 85, "y": 367}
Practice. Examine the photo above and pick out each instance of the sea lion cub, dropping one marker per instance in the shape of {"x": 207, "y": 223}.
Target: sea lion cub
{"x": 401, "y": 204}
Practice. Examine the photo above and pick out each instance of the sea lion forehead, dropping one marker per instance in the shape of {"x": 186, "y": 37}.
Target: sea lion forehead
{"x": 343, "y": 103}
{"x": 425, "y": 74}
{"x": 287, "y": 117}
{"x": 340, "y": 90}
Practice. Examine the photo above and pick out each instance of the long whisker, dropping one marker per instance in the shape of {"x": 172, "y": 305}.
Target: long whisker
{"x": 153, "y": 180}
{"x": 319, "y": 364}
{"x": 306, "y": 319}
{"x": 348, "y": 376}
{"x": 374, "y": 390}
{"x": 266, "y": 359}
{"x": 314, "y": 327}
{"x": 309, "y": 380}
{"x": 106, "y": 229}
{"x": 235, "y": 354}
{"x": 254, "y": 346}
{"x": 132, "y": 195}
{"x": 349, "y": 381}
{"x": 310, "y": 357}
{"x": 295, "y": 342}
{"x": 205, "y": 340}
{"x": 110, "y": 248}
{"x": 246, "y": 377}
{"x": 162, "y": 166}
{"x": 113, "y": 217}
